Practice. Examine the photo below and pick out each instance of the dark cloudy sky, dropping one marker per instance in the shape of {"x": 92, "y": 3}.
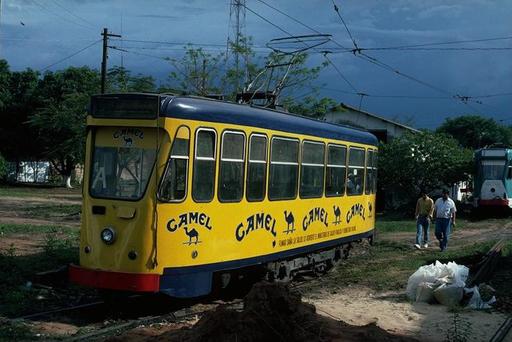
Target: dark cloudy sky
{"x": 38, "y": 33}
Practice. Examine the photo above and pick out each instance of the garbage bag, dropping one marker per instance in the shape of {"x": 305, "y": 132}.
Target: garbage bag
{"x": 425, "y": 292}
{"x": 476, "y": 301}
{"x": 449, "y": 294}
{"x": 439, "y": 274}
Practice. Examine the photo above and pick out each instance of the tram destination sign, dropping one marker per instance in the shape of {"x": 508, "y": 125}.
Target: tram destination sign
{"x": 125, "y": 106}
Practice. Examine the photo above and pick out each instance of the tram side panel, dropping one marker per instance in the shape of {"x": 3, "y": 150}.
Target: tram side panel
{"x": 199, "y": 237}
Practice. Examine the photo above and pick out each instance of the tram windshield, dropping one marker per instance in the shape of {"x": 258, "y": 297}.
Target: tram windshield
{"x": 493, "y": 169}
{"x": 121, "y": 171}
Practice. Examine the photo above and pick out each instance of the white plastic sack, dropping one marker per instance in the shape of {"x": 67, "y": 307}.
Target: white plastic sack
{"x": 476, "y": 302}
{"x": 425, "y": 292}
{"x": 437, "y": 273}
{"x": 449, "y": 294}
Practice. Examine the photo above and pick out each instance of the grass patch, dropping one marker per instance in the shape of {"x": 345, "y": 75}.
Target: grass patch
{"x": 36, "y": 191}
{"x": 11, "y": 228}
{"x": 15, "y": 332}
{"x": 17, "y": 272}
{"x": 52, "y": 210}
{"x": 388, "y": 264}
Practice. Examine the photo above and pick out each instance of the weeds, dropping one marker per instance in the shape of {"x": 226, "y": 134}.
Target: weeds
{"x": 460, "y": 331}
{"x": 30, "y": 228}
{"x": 14, "y": 331}
{"x": 17, "y": 295}
{"x": 52, "y": 211}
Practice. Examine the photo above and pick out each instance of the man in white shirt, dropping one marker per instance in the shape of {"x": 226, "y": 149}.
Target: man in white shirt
{"x": 444, "y": 211}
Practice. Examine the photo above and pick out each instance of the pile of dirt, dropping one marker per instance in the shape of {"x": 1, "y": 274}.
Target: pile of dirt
{"x": 273, "y": 312}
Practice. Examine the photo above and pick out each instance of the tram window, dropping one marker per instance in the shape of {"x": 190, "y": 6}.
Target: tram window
{"x": 174, "y": 183}
{"x": 369, "y": 172}
{"x": 284, "y": 169}
{"x": 231, "y": 179}
{"x": 336, "y": 170}
{"x": 509, "y": 172}
{"x": 204, "y": 165}
{"x": 355, "y": 171}
{"x": 257, "y": 168}
{"x": 312, "y": 170}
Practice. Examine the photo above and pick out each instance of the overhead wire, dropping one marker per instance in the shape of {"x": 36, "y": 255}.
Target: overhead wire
{"x": 87, "y": 22}
{"x": 290, "y": 35}
{"x": 70, "y": 56}
{"x": 59, "y": 16}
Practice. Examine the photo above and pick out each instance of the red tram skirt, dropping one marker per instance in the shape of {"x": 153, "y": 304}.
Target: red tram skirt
{"x": 137, "y": 282}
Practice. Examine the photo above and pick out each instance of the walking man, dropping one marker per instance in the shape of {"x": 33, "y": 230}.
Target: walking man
{"x": 423, "y": 214}
{"x": 445, "y": 216}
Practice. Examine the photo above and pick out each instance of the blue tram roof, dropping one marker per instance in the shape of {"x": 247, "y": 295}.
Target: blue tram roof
{"x": 194, "y": 108}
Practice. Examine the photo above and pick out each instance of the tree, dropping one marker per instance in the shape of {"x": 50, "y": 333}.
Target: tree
{"x": 18, "y": 141}
{"x": 473, "y": 131}
{"x": 3, "y": 167}
{"x": 311, "y": 106}
{"x": 423, "y": 161}
{"x": 199, "y": 72}
{"x": 61, "y": 116}
{"x": 121, "y": 80}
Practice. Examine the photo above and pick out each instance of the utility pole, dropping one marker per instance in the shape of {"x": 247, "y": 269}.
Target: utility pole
{"x": 105, "y": 35}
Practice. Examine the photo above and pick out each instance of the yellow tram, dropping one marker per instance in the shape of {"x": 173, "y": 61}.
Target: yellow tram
{"x": 179, "y": 189}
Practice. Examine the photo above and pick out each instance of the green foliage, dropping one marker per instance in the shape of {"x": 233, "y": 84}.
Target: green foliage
{"x": 473, "y": 131}
{"x": 121, "y": 80}
{"x": 460, "y": 331}
{"x": 17, "y": 294}
{"x": 198, "y": 72}
{"x": 311, "y": 106}
{"x": 60, "y": 118}
{"x": 3, "y": 167}
{"x": 10, "y": 331}
{"x": 423, "y": 161}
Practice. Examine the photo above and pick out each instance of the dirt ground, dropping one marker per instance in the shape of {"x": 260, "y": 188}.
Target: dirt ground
{"x": 355, "y": 305}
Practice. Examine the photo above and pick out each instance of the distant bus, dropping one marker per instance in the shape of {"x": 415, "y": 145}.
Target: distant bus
{"x": 493, "y": 178}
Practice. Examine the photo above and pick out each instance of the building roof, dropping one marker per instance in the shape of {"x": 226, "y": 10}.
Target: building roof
{"x": 342, "y": 105}
{"x": 194, "y": 108}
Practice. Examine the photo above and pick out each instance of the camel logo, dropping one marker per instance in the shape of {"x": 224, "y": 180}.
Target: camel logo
{"x": 370, "y": 209}
{"x": 290, "y": 222}
{"x": 260, "y": 221}
{"x": 315, "y": 214}
{"x": 356, "y": 210}
{"x": 337, "y": 215}
{"x": 185, "y": 221}
{"x": 128, "y": 141}
{"x": 128, "y": 135}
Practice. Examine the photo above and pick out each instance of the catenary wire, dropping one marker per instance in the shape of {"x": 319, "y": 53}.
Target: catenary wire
{"x": 70, "y": 56}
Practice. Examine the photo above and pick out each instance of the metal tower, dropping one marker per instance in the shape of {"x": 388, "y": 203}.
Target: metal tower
{"x": 237, "y": 42}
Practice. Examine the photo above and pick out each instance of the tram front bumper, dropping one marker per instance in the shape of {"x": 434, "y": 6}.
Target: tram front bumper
{"x": 134, "y": 282}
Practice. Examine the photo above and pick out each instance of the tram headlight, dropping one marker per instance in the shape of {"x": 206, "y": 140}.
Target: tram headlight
{"x": 108, "y": 235}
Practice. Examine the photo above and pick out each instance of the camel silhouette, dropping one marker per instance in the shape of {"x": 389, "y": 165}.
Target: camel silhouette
{"x": 337, "y": 214}
{"x": 128, "y": 141}
{"x": 192, "y": 234}
{"x": 290, "y": 220}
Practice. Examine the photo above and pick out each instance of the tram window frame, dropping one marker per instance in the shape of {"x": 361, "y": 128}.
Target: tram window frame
{"x": 375, "y": 170}
{"x": 257, "y": 161}
{"x": 168, "y": 166}
{"x": 196, "y": 159}
{"x": 273, "y": 163}
{"x": 334, "y": 166}
{"x": 368, "y": 172}
{"x": 230, "y": 160}
{"x": 350, "y": 166}
{"x": 307, "y": 165}
{"x": 509, "y": 172}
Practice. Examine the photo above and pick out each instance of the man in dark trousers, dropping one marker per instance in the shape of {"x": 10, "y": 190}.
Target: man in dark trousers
{"x": 445, "y": 216}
